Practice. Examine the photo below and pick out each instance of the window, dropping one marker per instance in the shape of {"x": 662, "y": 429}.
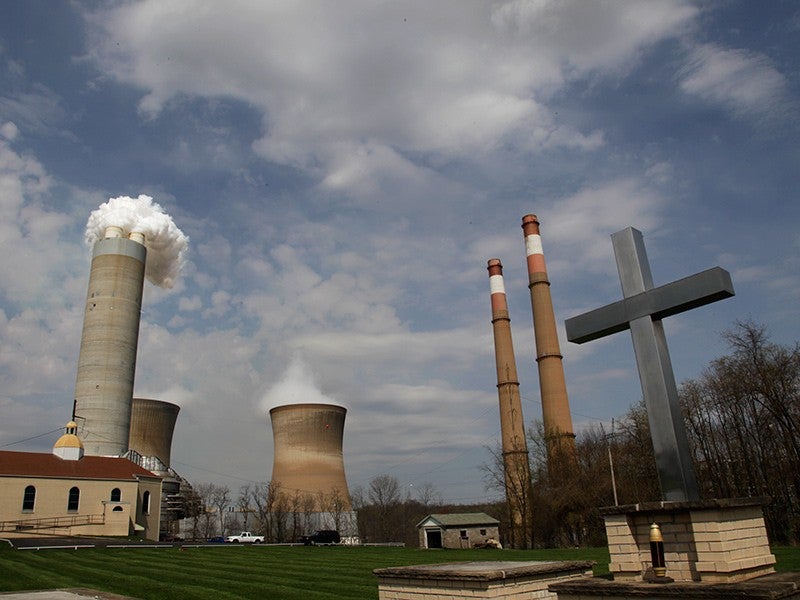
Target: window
{"x": 483, "y": 532}
{"x": 463, "y": 534}
{"x": 116, "y": 509}
{"x": 116, "y": 495}
{"x": 74, "y": 499}
{"x": 28, "y": 499}
{"x": 146, "y": 503}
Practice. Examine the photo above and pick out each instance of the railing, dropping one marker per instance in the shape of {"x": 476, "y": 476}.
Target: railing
{"x": 51, "y": 522}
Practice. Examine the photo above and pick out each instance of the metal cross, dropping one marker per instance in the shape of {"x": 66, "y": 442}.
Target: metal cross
{"x": 641, "y": 311}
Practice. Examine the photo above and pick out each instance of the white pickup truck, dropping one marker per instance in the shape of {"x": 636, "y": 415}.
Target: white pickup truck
{"x": 244, "y": 538}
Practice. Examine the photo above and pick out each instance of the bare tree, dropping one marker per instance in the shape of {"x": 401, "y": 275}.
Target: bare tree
{"x": 743, "y": 421}
{"x": 265, "y": 498}
{"x": 427, "y": 494}
{"x": 384, "y": 493}
{"x": 205, "y": 527}
{"x": 244, "y": 503}
{"x": 307, "y": 505}
{"x": 220, "y": 498}
{"x": 357, "y": 497}
{"x": 333, "y": 503}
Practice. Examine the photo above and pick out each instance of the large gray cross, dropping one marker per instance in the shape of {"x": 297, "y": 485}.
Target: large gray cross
{"x": 641, "y": 311}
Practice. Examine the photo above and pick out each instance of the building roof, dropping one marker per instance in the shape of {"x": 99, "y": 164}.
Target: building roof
{"x": 40, "y": 464}
{"x": 459, "y": 519}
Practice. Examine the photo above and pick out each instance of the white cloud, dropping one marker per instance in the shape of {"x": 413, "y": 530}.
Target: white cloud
{"x": 745, "y": 82}
{"x": 348, "y": 89}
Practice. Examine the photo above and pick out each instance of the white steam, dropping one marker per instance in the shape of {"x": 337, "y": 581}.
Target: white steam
{"x": 296, "y": 387}
{"x": 166, "y": 244}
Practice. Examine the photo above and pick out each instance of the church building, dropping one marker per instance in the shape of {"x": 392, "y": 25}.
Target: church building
{"x": 66, "y": 493}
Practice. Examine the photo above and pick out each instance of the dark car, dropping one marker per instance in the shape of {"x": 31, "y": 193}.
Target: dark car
{"x": 323, "y": 536}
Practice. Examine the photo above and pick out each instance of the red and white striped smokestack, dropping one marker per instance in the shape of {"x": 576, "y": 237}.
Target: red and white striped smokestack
{"x": 512, "y": 423}
{"x": 555, "y": 404}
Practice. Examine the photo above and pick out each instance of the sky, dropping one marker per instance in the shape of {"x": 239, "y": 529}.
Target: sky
{"x": 344, "y": 171}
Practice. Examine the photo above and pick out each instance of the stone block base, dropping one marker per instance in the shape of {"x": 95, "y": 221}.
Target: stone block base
{"x": 706, "y": 540}
{"x": 777, "y": 586}
{"x": 500, "y": 579}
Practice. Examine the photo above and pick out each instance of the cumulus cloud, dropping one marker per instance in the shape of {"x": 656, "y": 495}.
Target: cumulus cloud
{"x": 348, "y": 90}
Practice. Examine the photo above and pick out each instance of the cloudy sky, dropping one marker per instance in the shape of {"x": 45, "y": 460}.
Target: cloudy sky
{"x": 345, "y": 170}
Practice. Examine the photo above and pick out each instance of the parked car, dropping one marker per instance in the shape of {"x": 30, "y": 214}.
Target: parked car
{"x": 244, "y": 538}
{"x": 321, "y": 537}
{"x": 216, "y": 540}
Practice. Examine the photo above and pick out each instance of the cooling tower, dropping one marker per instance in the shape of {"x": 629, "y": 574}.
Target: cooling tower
{"x": 152, "y": 426}
{"x": 107, "y": 361}
{"x": 308, "y": 452}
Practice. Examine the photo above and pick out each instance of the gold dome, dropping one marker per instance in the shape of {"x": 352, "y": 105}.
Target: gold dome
{"x": 69, "y": 445}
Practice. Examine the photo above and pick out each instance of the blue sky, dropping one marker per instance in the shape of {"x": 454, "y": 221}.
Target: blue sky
{"x": 345, "y": 170}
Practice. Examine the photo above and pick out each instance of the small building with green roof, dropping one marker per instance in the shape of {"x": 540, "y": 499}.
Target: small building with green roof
{"x": 458, "y": 530}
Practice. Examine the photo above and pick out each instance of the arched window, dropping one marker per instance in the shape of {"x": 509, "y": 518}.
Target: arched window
{"x": 28, "y": 499}
{"x": 116, "y": 509}
{"x": 116, "y": 495}
{"x": 146, "y": 503}
{"x": 74, "y": 499}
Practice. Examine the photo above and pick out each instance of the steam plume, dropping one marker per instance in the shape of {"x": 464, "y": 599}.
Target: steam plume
{"x": 296, "y": 387}
{"x": 166, "y": 244}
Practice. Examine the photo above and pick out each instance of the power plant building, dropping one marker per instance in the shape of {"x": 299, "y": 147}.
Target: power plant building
{"x": 308, "y": 461}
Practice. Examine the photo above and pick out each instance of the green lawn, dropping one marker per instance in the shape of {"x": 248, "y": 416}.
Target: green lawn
{"x": 280, "y": 572}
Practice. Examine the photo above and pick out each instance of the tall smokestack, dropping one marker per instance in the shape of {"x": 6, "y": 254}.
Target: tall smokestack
{"x": 152, "y": 426}
{"x": 555, "y": 404}
{"x": 107, "y": 361}
{"x": 308, "y": 456}
{"x": 512, "y": 425}
{"x": 118, "y": 231}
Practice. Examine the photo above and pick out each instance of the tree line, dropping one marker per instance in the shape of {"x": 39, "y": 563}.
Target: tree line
{"x": 267, "y": 509}
{"x": 742, "y": 417}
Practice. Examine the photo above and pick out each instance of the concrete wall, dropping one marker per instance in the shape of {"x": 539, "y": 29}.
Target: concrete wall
{"x": 95, "y": 506}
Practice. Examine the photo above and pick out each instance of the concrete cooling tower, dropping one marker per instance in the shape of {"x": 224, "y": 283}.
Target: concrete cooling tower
{"x": 107, "y": 361}
{"x": 308, "y": 452}
{"x": 152, "y": 426}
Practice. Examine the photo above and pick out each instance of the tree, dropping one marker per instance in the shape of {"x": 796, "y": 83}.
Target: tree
{"x": 743, "y": 420}
{"x": 427, "y": 494}
{"x": 384, "y": 493}
{"x": 244, "y": 503}
{"x": 220, "y": 498}
{"x": 265, "y": 497}
{"x": 204, "y": 527}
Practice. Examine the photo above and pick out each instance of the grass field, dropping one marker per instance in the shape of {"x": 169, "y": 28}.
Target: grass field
{"x": 278, "y": 572}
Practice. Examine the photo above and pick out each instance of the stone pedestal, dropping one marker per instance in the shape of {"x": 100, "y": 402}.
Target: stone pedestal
{"x": 777, "y": 586}
{"x": 706, "y": 540}
{"x": 491, "y": 579}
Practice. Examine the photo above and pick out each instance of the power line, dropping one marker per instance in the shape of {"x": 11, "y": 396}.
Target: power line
{"x": 32, "y": 437}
